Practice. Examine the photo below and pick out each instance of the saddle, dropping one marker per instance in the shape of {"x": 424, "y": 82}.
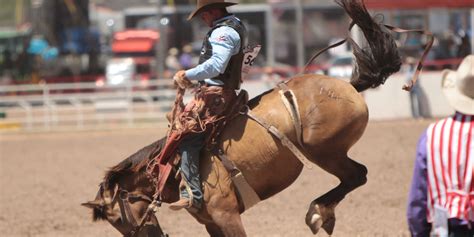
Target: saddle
{"x": 165, "y": 162}
{"x": 182, "y": 124}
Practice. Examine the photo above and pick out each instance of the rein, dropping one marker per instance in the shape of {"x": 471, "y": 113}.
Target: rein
{"x": 412, "y": 82}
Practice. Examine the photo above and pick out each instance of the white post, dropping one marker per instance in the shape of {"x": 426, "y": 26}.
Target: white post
{"x": 29, "y": 117}
{"x": 270, "y": 37}
{"x": 160, "y": 54}
{"x": 46, "y": 112}
{"x": 79, "y": 113}
{"x": 299, "y": 36}
{"x": 129, "y": 102}
{"x": 472, "y": 30}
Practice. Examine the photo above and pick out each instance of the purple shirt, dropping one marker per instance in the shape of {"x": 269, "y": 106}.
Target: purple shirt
{"x": 416, "y": 210}
{"x": 417, "y": 198}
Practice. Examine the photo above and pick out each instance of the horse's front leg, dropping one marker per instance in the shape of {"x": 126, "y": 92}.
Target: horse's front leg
{"x": 220, "y": 211}
{"x": 226, "y": 224}
{"x": 152, "y": 229}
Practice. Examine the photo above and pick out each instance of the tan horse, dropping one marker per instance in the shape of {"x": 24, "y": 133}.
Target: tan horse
{"x": 333, "y": 114}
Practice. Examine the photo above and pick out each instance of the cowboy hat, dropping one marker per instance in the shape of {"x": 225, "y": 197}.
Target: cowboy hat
{"x": 458, "y": 86}
{"x": 203, "y": 5}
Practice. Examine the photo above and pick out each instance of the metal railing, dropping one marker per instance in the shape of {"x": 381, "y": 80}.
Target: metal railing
{"x": 84, "y": 105}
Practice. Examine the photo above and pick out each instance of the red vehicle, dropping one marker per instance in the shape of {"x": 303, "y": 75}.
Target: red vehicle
{"x": 133, "y": 58}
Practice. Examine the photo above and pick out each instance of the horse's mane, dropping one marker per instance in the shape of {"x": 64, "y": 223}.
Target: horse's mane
{"x": 133, "y": 163}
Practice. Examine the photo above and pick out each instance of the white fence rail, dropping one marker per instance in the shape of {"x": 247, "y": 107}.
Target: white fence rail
{"x": 84, "y": 105}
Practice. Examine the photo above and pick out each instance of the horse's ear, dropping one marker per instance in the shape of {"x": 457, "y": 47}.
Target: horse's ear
{"x": 93, "y": 204}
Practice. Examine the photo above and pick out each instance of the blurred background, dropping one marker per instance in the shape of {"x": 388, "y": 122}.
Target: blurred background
{"x": 95, "y": 63}
{"x": 85, "y": 83}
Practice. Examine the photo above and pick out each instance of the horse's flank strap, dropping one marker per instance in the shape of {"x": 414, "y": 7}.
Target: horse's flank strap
{"x": 291, "y": 104}
{"x": 283, "y": 138}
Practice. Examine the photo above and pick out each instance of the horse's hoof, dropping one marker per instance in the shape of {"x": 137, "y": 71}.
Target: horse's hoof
{"x": 313, "y": 219}
{"x": 328, "y": 225}
{"x": 329, "y": 217}
{"x": 319, "y": 215}
{"x": 315, "y": 223}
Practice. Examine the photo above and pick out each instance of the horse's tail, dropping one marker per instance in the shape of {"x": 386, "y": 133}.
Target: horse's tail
{"x": 374, "y": 64}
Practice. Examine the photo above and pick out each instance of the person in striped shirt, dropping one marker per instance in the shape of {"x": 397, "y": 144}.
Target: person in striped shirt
{"x": 441, "y": 198}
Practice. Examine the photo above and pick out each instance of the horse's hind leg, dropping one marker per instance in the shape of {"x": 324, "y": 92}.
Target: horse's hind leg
{"x": 321, "y": 210}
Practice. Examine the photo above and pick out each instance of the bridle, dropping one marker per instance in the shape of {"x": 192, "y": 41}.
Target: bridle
{"x": 123, "y": 198}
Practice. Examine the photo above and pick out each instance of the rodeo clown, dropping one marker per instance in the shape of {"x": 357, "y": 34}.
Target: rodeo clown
{"x": 441, "y": 199}
{"x": 219, "y": 75}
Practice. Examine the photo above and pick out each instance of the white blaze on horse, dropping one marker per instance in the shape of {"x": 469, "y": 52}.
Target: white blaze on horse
{"x": 333, "y": 117}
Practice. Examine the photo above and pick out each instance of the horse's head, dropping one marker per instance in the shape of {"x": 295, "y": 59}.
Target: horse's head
{"x": 124, "y": 197}
{"x": 125, "y": 211}
{"x": 126, "y": 193}
{"x": 103, "y": 205}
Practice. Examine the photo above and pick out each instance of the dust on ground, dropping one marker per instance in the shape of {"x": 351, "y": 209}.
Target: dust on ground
{"x": 46, "y": 176}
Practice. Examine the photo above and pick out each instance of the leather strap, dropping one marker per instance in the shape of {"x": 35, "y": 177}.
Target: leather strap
{"x": 228, "y": 164}
{"x": 152, "y": 208}
{"x": 248, "y": 196}
{"x": 291, "y": 104}
{"x": 428, "y": 46}
{"x": 283, "y": 138}
{"x": 125, "y": 210}
{"x": 124, "y": 202}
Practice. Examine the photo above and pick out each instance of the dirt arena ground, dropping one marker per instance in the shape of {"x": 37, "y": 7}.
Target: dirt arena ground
{"x": 45, "y": 176}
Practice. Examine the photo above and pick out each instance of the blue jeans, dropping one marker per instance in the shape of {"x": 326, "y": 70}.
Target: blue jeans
{"x": 190, "y": 147}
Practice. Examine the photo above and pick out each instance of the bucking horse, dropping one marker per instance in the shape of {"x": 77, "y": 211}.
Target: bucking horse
{"x": 333, "y": 116}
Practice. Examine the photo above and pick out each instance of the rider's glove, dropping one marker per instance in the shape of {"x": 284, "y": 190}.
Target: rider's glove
{"x": 181, "y": 80}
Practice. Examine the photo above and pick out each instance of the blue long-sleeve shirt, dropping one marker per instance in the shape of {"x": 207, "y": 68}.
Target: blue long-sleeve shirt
{"x": 225, "y": 43}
